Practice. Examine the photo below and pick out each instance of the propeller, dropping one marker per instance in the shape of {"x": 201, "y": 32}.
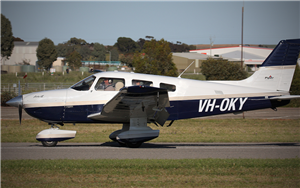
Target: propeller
{"x": 17, "y": 102}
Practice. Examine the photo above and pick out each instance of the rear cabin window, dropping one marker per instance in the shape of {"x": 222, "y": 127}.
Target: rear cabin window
{"x": 141, "y": 83}
{"x": 85, "y": 84}
{"x": 110, "y": 84}
{"x": 169, "y": 87}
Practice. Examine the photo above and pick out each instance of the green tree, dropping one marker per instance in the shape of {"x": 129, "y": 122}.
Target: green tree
{"x": 156, "y": 58}
{"x": 126, "y": 59}
{"x": 114, "y": 55}
{"x": 80, "y": 45}
{"x": 46, "y": 53}
{"x": 85, "y": 52}
{"x": 126, "y": 45}
{"x": 99, "y": 52}
{"x": 7, "y": 39}
{"x": 295, "y": 87}
{"x": 179, "y": 47}
{"x": 63, "y": 49}
{"x": 74, "y": 60}
{"x": 76, "y": 41}
{"x": 141, "y": 43}
{"x": 221, "y": 69}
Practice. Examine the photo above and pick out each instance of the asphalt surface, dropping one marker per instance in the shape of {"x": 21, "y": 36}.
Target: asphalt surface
{"x": 14, "y": 151}
{"x": 281, "y": 113}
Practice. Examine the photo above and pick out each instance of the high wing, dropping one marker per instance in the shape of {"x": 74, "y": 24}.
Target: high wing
{"x": 136, "y": 102}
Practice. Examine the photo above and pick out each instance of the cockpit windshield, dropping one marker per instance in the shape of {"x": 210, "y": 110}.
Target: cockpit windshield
{"x": 84, "y": 85}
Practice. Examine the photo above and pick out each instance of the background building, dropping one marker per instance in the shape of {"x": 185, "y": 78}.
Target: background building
{"x": 253, "y": 57}
{"x": 23, "y": 53}
{"x": 183, "y": 60}
{"x": 22, "y": 59}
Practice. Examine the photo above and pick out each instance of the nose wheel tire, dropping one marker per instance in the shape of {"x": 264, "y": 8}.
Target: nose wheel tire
{"x": 49, "y": 143}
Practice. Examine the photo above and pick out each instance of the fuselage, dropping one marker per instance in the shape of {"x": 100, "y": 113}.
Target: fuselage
{"x": 188, "y": 98}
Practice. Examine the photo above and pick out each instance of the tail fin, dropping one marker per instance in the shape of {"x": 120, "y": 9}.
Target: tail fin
{"x": 276, "y": 72}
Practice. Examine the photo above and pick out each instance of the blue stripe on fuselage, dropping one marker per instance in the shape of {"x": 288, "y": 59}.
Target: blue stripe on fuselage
{"x": 62, "y": 114}
{"x": 178, "y": 109}
{"x": 209, "y": 107}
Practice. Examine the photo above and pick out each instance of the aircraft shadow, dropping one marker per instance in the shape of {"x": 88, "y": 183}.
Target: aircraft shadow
{"x": 173, "y": 145}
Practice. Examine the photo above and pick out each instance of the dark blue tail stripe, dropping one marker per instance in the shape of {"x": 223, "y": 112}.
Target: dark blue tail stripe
{"x": 285, "y": 53}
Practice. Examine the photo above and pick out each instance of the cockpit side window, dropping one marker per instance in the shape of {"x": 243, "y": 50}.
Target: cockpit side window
{"x": 141, "y": 83}
{"x": 85, "y": 84}
{"x": 169, "y": 87}
{"x": 110, "y": 84}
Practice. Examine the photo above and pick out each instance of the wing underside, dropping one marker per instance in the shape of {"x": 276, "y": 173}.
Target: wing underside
{"x": 136, "y": 102}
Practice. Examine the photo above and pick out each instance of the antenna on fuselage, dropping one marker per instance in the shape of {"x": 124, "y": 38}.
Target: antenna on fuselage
{"x": 185, "y": 69}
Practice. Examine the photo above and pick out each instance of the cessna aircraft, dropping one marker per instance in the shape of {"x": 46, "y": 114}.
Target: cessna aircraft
{"x": 137, "y": 99}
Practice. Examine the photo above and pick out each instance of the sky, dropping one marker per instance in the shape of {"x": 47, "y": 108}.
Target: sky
{"x": 190, "y": 22}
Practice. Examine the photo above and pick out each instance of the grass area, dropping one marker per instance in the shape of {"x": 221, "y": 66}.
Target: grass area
{"x": 294, "y": 103}
{"x": 190, "y": 130}
{"x": 151, "y": 173}
{"x": 158, "y": 173}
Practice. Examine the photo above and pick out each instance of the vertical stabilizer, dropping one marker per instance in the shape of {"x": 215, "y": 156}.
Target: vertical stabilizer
{"x": 276, "y": 72}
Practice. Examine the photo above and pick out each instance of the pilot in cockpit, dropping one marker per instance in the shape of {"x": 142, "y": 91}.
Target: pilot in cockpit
{"x": 136, "y": 83}
{"x": 106, "y": 85}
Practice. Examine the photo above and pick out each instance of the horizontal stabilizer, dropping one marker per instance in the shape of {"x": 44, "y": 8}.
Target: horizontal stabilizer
{"x": 285, "y": 97}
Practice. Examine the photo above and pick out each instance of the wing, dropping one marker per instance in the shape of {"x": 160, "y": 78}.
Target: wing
{"x": 136, "y": 102}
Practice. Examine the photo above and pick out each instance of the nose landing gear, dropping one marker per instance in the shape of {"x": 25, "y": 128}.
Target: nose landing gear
{"x": 50, "y": 137}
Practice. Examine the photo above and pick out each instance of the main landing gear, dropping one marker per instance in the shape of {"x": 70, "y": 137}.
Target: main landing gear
{"x": 134, "y": 134}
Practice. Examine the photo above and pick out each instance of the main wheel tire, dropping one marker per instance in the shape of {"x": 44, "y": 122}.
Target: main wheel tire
{"x": 49, "y": 143}
{"x": 134, "y": 144}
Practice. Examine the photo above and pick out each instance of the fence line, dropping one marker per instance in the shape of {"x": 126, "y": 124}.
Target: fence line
{"x": 33, "y": 87}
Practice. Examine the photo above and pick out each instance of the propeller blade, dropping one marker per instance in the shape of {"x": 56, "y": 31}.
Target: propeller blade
{"x": 20, "y": 113}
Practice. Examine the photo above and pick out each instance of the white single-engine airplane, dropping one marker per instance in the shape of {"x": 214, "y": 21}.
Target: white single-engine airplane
{"x": 137, "y": 99}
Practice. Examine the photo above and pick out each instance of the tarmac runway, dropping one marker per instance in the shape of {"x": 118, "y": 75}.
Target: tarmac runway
{"x": 16, "y": 151}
